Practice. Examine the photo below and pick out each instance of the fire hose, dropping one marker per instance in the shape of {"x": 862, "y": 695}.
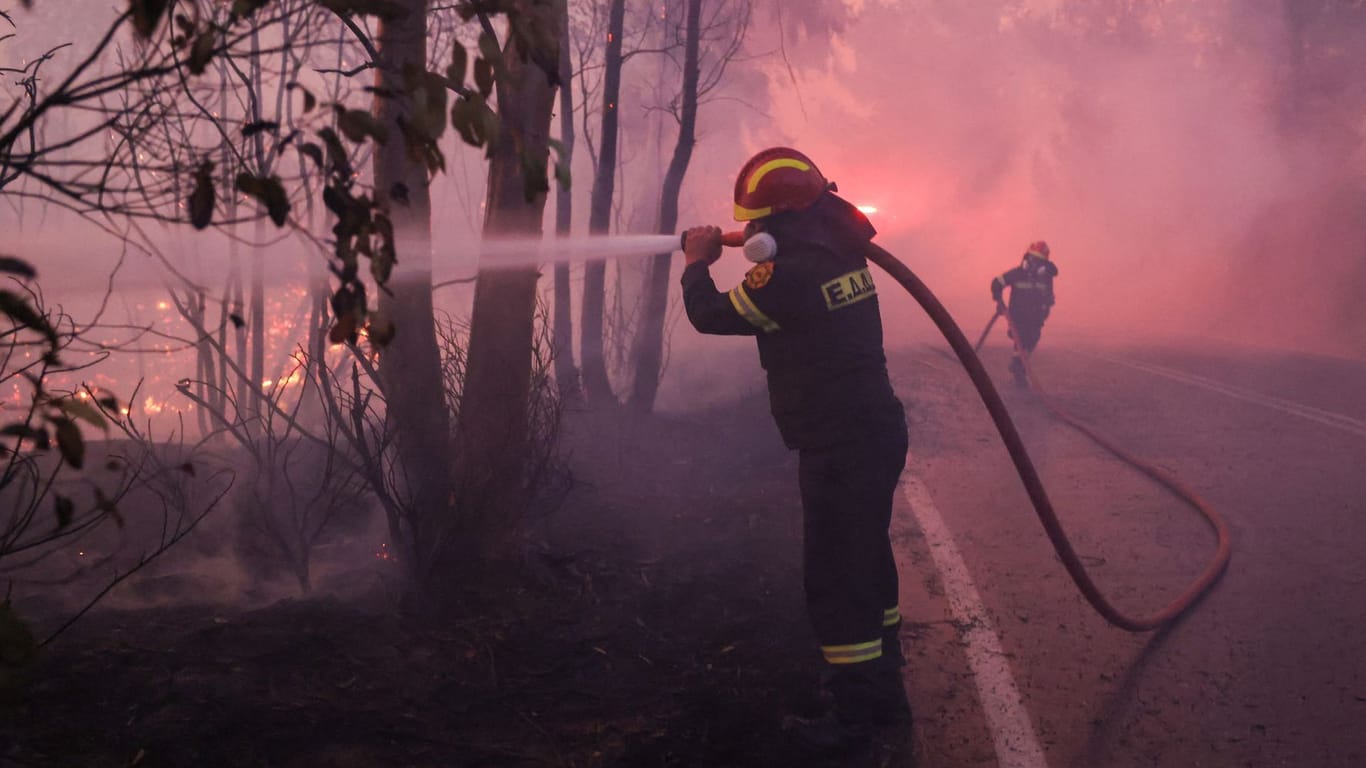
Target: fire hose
{"x": 1024, "y": 466}
{"x": 1029, "y": 476}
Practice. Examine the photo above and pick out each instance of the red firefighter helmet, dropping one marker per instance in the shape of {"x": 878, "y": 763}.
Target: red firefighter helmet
{"x": 1038, "y": 249}
{"x": 776, "y": 180}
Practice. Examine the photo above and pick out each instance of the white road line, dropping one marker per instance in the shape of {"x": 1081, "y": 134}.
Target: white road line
{"x": 1011, "y": 730}
{"x": 1318, "y": 415}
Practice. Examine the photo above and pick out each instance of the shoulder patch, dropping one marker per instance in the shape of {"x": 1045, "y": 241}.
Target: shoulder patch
{"x": 759, "y": 275}
{"x": 847, "y": 289}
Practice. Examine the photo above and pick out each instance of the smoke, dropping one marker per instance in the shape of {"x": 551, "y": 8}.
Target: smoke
{"x": 1147, "y": 145}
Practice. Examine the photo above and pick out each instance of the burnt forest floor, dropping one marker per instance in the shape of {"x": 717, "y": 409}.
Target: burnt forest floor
{"x": 660, "y": 624}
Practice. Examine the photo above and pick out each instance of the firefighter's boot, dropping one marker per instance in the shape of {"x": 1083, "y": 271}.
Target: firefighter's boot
{"x": 1017, "y": 370}
{"x": 864, "y": 698}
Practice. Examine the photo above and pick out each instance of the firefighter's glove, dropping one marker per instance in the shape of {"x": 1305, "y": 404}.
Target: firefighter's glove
{"x": 702, "y": 244}
{"x": 1000, "y": 307}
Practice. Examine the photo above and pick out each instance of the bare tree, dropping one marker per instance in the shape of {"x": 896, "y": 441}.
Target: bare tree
{"x": 566, "y": 373}
{"x": 724, "y": 31}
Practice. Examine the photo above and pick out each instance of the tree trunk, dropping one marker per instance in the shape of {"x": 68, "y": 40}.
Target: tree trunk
{"x": 598, "y": 388}
{"x": 562, "y": 332}
{"x": 650, "y": 341}
{"x": 410, "y": 366}
{"x": 256, "y": 321}
{"x": 493, "y": 409}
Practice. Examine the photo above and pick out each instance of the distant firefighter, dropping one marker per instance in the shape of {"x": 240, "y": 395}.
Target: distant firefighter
{"x": 1031, "y": 297}
{"x": 811, "y": 302}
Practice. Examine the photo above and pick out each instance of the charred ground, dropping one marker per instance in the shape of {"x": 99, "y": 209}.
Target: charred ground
{"x": 660, "y": 623}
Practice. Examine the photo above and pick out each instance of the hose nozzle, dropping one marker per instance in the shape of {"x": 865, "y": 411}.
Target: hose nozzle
{"x": 734, "y": 239}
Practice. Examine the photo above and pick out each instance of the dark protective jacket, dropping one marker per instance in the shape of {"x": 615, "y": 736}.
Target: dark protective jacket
{"x": 1031, "y": 286}
{"x": 814, "y": 309}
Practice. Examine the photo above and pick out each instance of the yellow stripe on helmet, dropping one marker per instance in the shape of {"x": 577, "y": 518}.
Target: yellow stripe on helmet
{"x": 773, "y": 165}
{"x": 750, "y": 214}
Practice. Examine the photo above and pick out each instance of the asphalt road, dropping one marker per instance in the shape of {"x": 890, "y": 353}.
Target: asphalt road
{"x": 1010, "y": 666}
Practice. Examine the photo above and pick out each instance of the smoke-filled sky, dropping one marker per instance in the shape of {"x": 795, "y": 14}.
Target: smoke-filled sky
{"x": 1197, "y": 166}
{"x": 1193, "y": 174}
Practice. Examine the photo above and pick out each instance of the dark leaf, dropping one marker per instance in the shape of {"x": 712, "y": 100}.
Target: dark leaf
{"x": 427, "y": 91}
{"x": 477, "y": 124}
{"x": 381, "y": 329}
{"x": 187, "y": 468}
{"x": 245, "y": 8}
{"x": 483, "y": 77}
{"x": 334, "y": 201}
{"x": 270, "y": 192}
{"x": 356, "y": 124}
{"x": 343, "y": 329}
{"x": 66, "y": 510}
{"x": 455, "y": 72}
{"x": 77, "y": 408}
{"x": 277, "y": 201}
{"x": 22, "y": 431}
{"x": 17, "y": 266}
{"x": 251, "y": 129}
{"x": 310, "y": 101}
{"x": 147, "y": 15}
{"x": 202, "y": 52}
{"x": 70, "y": 442}
{"x": 18, "y": 309}
{"x": 202, "y": 198}
{"x": 237, "y": 321}
{"x": 336, "y": 153}
{"x": 314, "y": 152}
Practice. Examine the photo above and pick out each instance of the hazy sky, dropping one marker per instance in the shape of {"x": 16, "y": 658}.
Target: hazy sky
{"x": 1151, "y": 148}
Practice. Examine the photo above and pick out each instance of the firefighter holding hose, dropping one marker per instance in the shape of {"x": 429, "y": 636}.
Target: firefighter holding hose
{"x": 811, "y": 303}
{"x": 1031, "y": 298}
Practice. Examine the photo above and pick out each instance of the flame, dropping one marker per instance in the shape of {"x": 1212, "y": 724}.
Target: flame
{"x": 868, "y": 209}
{"x": 150, "y": 405}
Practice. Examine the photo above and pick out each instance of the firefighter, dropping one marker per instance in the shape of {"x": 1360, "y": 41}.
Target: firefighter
{"x": 811, "y": 303}
{"x": 1031, "y": 297}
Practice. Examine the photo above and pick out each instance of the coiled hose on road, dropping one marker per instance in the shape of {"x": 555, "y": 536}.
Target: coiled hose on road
{"x": 1030, "y": 477}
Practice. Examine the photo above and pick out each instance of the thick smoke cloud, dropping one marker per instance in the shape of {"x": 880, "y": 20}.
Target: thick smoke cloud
{"x": 1173, "y": 154}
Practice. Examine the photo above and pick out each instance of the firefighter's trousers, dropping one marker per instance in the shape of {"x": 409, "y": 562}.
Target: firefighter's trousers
{"x": 1026, "y": 320}
{"x": 850, "y": 574}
